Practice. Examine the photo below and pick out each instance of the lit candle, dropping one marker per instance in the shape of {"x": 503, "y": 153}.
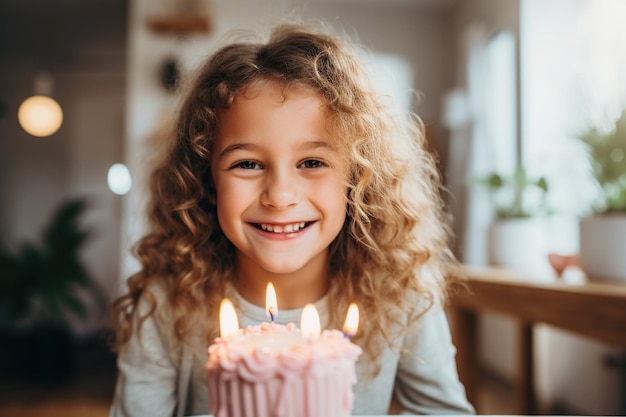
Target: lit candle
{"x": 352, "y": 321}
{"x": 229, "y": 324}
{"x": 310, "y": 322}
{"x": 271, "y": 304}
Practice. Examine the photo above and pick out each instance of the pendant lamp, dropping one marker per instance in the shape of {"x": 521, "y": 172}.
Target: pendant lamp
{"x": 40, "y": 115}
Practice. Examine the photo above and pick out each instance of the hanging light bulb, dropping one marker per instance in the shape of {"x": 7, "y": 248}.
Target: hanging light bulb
{"x": 40, "y": 115}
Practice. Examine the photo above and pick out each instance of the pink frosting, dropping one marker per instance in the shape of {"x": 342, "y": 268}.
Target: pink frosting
{"x": 272, "y": 370}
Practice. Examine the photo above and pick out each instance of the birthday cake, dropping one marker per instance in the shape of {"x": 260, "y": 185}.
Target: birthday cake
{"x": 272, "y": 370}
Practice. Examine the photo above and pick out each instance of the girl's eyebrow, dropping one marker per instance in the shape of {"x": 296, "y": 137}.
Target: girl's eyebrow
{"x": 312, "y": 145}
{"x": 316, "y": 144}
{"x": 234, "y": 147}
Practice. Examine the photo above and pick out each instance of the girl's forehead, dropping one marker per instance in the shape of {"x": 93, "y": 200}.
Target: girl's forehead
{"x": 281, "y": 90}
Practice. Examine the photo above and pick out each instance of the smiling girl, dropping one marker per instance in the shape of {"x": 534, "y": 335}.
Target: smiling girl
{"x": 285, "y": 166}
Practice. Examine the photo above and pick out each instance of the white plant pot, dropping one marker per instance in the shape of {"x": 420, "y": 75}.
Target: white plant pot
{"x": 603, "y": 247}
{"x": 521, "y": 244}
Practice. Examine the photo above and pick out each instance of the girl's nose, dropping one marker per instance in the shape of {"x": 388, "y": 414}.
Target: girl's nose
{"x": 281, "y": 190}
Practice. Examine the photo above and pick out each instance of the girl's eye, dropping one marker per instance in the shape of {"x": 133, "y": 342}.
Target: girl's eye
{"x": 247, "y": 165}
{"x": 313, "y": 163}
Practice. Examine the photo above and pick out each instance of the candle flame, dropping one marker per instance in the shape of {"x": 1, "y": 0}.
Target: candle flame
{"x": 229, "y": 324}
{"x": 310, "y": 322}
{"x": 352, "y": 320}
{"x": 271, "y": 304}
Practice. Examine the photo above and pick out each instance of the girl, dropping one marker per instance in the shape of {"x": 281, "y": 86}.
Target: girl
{"x": 285, "y": 166}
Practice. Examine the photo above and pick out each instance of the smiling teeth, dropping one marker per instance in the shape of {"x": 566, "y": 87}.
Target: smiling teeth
{"x": 287, "y": 228}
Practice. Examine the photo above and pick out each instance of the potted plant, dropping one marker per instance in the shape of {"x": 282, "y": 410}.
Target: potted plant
{"x": 41, "y": 286}
{"x": 517, "y": 196}
{"x": 517, "y": 233}
{"x": 603, "y": 232}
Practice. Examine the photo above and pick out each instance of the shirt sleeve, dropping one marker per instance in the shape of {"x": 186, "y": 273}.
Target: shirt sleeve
{"x": 147, "y": 376}
{"x": 427, "y": 381}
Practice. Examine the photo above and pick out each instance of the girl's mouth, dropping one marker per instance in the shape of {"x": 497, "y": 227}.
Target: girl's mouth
{"x": 282, "y": 228}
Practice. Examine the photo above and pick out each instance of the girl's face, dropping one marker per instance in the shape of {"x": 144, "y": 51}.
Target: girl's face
{"x": 280, "y": 184}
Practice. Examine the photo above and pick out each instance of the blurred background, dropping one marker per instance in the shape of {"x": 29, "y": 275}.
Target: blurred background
{"x": 514, "y": 95}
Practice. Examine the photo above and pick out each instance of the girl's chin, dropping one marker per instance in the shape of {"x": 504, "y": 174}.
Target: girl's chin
{"x": 281, "y": 269}
{"x": 291, "y": 262}
{"x": 288, "y": 265}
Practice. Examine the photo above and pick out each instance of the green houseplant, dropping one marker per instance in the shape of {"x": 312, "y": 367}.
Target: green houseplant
{"x": 603, "y": 233}
{"x": 516, "y": 196}
{"x": 41, "y": 286}
{"x": 517, "y": 233}
{"x": 607, "y": 154}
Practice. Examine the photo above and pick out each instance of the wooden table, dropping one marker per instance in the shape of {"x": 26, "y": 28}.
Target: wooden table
{"x": 593, "y": 309}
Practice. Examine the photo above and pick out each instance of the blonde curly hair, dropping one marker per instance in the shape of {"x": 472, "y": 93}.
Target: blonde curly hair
{"x": 395, "y": 229}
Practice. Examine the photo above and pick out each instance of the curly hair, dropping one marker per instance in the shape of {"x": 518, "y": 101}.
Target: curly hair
{"x": 395, "y": 227}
